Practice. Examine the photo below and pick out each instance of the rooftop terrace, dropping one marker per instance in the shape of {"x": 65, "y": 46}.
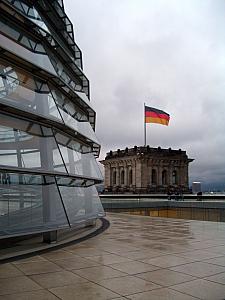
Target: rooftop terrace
{"x": 136, "y": 258}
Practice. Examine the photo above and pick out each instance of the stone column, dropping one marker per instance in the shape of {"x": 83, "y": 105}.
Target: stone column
{"x": 178, "y": 175}
{"x": 138, "y": 176}
{"x": 134, "y": 172}
{"x": 125, "y": 175}
{"x": 181, "y": 177}
{"x": 170, "y": 174}
{"x": 144, "y": 173}
{"x": 111, "y": 175}
{"x": 117, "y": 175}
{"x": 107, "y": 175}
{"x": 150, "y": 175}
{"x": 186, "y": 176}
{"x": 159, "y": 175}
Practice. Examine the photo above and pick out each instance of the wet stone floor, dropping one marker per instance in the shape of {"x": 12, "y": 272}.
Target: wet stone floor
{"x": 138, "y": 258}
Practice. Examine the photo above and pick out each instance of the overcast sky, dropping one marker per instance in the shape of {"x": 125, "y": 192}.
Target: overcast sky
{"x": 167, "y": 53}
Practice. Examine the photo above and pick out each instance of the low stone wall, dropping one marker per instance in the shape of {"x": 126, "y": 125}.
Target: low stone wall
{"x": 131, "y": 202}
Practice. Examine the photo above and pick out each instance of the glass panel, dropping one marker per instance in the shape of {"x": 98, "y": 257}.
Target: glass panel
{"x": 13, "y": 92}
{"x": 83, "y": 128}
{"x": 8, "y": 80}
{"x": 65, "y": 140}
{"x": 82, "y": 164}
{"x": 81, "y": 203}
{"x": 67, "y": 181}
{"x": 37, "y": 59}
{"x": 20, "y": 37}
{"x": 29, "y": 203}
{"x": 36, "y": 149}
{"x": 68, "y": 106}
{"x": 14, "y": 34}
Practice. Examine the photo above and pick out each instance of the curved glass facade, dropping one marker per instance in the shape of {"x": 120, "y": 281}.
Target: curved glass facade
{"x": 48, "y": 146}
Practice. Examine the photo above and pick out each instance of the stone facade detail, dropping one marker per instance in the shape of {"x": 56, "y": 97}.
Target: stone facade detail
{"x": 146, "y": 170}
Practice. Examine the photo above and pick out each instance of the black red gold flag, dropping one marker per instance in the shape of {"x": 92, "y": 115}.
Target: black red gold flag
{"x": 153, "y": 115}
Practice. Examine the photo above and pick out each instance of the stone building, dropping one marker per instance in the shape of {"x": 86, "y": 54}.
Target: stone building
{"x": 146, "y": 170}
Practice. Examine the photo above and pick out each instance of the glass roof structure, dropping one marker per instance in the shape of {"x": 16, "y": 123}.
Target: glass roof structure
{"x": 48, "y": 145}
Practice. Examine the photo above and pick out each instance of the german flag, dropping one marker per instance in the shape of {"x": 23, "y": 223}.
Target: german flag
{"x": 153, "y": 115}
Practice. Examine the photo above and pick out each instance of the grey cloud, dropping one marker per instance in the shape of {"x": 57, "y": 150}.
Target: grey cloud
{"x": 169, "y": 54}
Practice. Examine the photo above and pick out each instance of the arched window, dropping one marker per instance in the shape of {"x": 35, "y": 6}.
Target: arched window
{"x": 114, "y": 177}
{"x": 130, "y": 177}
{"x": 154, "y": 177}
{"x": 174, "y": 177}
{"x": 122, "y": 177}
{"x": 164, "y": 177}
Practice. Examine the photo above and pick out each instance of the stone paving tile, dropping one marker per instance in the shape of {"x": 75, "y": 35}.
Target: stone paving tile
{"x": 120, "y": 298}
{"x": 78, "y": 263}
{"x": 161, "y": 294}
{"x": 218, "y": 249}
{"x": 55, "y": 279}
{"x": 128, "y": 285}
{"x": 17, "y": 285}
{"x": 161, "y": 247}
{"x": 142, "y": 254}
{"x": 109, "y": 259}
{"x": 220, "y": 261}
{"x": 167, "y": 261}
{"x": 97, "y": 274}
{"x": 84, "y": 244}
{"x": 37, "y": 295}
{"x": 34, "y": 258}
{"x": 199, "y": 269}
{"x": 83, "y": 291}
{"x": 58, "y": 254}
{"x": 8, "y": 270}
{"x": 119, "y": 249}
{"x": 202, "y": 289}
{"x": 219, "y": 278}
{"x": 134, "y": 267}
{"x": 165, "y": 277}
{"x": 199, "y": 255}
{"x": 84, "y": 252}
{"x": 30, "y": 268}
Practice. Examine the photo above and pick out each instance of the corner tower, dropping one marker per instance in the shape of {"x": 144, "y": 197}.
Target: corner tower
{"x": 146, "y": 170}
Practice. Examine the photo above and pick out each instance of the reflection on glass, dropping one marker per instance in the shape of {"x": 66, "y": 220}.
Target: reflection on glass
{"x": 81, "y": 203}
{"x": 83, "y": 128}
{"x": 8, "y": 81}
{"x": 29, "y": 203}
{"x": 36, "y": 149}
{"x": 70, "y": 143}
{"x": 80, "y": 163}
{"x": 21, "y": 38}
{"x": 68, "y": 181}
{"x": 19, "y": 89}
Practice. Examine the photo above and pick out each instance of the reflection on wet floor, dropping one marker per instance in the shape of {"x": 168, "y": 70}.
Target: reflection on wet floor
{"x": 193, "y": 213}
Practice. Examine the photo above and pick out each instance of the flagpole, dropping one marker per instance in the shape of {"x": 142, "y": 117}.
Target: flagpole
{"x": 144, "y": 127}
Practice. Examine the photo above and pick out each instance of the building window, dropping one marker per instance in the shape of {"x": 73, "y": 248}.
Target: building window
{"x": 122, "y": 177}
{"x": 174, "y": 177}
{"x": 154, "y": 177}
{"x": 130, "y": 177}
{"x": 114, "y": 177}
{"x": 164, "y": 177}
